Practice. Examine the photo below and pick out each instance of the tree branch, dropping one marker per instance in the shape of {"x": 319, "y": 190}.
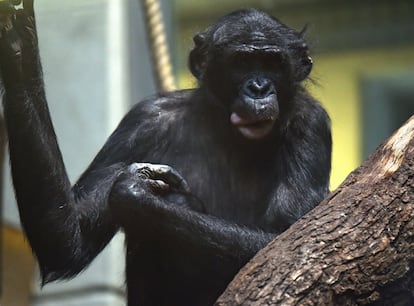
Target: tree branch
{"x": 355, "y": 248}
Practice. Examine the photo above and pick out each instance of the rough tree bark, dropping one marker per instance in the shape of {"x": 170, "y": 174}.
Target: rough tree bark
{"x": 355, "y": 248}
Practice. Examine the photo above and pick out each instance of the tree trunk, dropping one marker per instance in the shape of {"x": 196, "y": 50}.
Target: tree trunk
{"x": 355, "y": 248}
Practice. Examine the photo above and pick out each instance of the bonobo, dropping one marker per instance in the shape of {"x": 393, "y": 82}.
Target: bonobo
{"x": 199, "y": 180}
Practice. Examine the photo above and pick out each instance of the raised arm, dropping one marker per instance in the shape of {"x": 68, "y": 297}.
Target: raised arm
{"x": 60, "y": 222}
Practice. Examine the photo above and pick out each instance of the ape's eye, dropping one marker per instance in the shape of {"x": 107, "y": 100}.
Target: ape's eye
{"x": 272, "y": 60}
{"x": 255, "y": 60}
{"x": 239, "y": 60}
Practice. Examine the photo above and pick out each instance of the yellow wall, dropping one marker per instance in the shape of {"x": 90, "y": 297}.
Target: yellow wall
{"x": 18, "y": 267}
{"x": 338, "y": 77}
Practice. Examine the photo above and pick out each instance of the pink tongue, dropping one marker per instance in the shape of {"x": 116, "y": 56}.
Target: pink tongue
{"x": 235, "y": 119}
{"x": 249, "y": 128}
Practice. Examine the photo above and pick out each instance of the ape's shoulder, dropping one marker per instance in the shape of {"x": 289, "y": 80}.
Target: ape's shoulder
{"x": 162, "y": 103}
{"x": 309, "y": 111}
{"x": 156, "y": 115}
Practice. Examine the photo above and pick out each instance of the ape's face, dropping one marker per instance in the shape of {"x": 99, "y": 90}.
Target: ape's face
{"x": 250, "y": 83}
{"x": 251, "y": 65}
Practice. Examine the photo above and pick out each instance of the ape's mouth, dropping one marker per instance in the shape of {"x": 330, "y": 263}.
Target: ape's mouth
{"x": 253, "y": 129}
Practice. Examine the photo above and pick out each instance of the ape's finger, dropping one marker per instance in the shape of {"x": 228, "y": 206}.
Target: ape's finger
{"x": 161, "y": 172}
{"x": 158, "y": 185}
{"x": 169, "y": 175}
{"x": 172, "y": 177}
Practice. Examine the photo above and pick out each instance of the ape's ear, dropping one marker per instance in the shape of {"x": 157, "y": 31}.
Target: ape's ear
{"x": 304, "y": 67}
{"x": 198, "y": 56}
{"x": 302, "y": 58}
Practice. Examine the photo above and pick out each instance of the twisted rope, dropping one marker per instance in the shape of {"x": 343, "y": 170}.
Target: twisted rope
{"x": 158, "y": 46}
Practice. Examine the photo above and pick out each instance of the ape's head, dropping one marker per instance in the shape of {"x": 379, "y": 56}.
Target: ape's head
{"x": 252, "y": 64}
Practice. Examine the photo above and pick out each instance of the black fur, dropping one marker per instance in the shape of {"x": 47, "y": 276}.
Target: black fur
{"x": 248, "y": 153}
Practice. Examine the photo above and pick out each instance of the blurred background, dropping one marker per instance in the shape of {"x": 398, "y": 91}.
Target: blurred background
{"x": 97, "y": 64}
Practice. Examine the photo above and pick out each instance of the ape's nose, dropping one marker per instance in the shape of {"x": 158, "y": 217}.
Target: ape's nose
{"x": 258, "y": 88}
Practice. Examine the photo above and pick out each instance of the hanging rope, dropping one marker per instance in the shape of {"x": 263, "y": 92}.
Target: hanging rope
{"x": 158, "y": 46}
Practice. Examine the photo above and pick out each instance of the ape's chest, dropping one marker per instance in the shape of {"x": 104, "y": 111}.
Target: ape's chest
{"x": 229, "y": 183}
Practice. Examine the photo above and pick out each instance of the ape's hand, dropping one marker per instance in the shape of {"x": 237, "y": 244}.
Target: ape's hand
{"x": 160, "y": 178}
{"x": 18, "y": 42}
{"x": 143, "y": 186}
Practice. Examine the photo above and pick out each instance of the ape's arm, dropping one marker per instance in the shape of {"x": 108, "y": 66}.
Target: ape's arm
{"x": 188, "y": 248}
{"x": 60, "y": 222}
